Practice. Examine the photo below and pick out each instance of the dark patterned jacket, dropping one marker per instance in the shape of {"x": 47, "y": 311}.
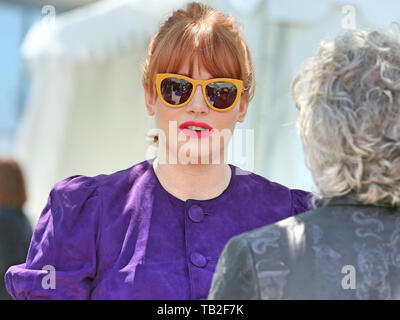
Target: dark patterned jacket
{"x": 341, "y": 250}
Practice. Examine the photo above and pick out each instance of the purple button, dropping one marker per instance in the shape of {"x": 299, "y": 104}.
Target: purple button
{"x": 198, "y": 260}
{"x": 196, "y": 213}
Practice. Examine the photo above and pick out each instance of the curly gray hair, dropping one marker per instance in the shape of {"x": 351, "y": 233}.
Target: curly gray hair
{"x": 348, "y": 95}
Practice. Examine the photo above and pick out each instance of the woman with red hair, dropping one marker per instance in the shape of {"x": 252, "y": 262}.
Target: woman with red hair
{"x": 156, "y": 229}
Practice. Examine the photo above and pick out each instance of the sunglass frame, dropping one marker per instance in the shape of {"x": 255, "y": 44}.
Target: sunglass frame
{"x": 203, "y": 83}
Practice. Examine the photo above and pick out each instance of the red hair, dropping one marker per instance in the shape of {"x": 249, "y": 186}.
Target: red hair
{"x": 204, "y": 33}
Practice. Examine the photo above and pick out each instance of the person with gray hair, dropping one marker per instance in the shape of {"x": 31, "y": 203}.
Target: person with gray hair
{"x": 348, "y": 96}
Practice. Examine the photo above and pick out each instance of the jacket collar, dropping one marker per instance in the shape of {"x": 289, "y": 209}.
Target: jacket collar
{"x": 350, "y": 199}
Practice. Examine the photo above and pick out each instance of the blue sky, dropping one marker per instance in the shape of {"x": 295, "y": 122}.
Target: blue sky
{"x": 10, "y": 38}
{"x": 15, "y": 21}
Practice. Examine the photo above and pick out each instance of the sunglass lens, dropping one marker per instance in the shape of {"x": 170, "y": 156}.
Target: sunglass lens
{"x": 176, "y": 91}
{"x": 221, "y": 94}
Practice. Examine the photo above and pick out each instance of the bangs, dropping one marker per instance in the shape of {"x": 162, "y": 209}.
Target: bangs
{"x": 215, "y": 55}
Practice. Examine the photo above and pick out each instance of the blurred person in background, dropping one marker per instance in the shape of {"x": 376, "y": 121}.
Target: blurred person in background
{"x": 15, "y": 229}
{"x": 156, "y": 230}
{"x": 349, "y": 247}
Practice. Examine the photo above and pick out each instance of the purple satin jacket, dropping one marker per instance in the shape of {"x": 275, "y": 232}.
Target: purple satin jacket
{"x": 123, "y": 236}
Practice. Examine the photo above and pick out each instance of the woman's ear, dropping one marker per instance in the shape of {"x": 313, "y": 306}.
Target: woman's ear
{"x": 149, "y": 104}
{"x": 242, "y": 110}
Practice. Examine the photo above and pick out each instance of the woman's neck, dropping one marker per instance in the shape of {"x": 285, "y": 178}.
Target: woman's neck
{"x": 193, "y": 181}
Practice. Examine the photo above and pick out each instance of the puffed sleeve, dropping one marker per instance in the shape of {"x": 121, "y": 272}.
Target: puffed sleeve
{"x": 301, "y": 201}
{"x": 235, "y": 277}
{"x": 61, "y": 261}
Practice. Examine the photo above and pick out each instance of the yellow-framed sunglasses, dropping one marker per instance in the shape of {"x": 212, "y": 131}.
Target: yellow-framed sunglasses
{"x": 220, "y": 94}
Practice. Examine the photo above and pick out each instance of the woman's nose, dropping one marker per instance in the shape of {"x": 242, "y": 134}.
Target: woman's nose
{"x": 198, "y": 104}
